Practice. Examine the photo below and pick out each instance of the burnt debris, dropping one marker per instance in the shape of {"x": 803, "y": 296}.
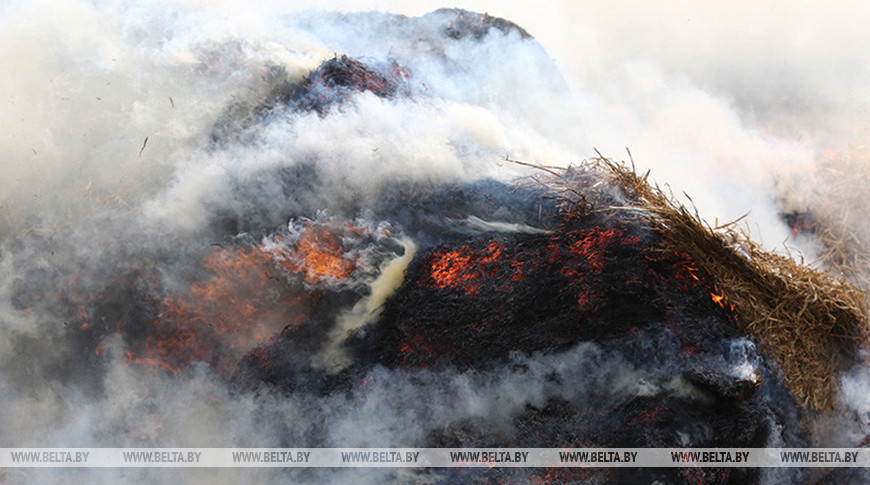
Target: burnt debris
{"x": 336, "y": 80}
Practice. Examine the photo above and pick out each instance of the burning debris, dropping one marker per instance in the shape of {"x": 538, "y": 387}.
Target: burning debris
{"x": 337, "y": 80}
{"x": 632, "y": 271}
{"x": 253, "y": 291}
{"x": 331, "y": 85}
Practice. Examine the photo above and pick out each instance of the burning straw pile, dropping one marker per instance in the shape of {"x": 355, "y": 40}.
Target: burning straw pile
{"x": 810, "y": 323}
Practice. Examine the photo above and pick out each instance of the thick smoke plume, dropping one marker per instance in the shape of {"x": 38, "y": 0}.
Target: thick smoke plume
{"x": 200, "y": 204}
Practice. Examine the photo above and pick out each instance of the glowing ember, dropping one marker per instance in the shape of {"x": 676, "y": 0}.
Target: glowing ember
{"x": 507, "y": 282}
{"x": 459, "y": 270}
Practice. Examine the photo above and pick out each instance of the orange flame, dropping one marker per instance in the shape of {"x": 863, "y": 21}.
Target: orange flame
{"x": 246, "y": 298}
{"x": 238, "y": 305}
{"x": 722, "y": 301}
{"x": 318, "y": 254}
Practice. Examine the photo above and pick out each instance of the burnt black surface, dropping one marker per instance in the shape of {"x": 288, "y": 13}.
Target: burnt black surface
{"x": 523, "y": 294}
{"x": 544, "y": 292}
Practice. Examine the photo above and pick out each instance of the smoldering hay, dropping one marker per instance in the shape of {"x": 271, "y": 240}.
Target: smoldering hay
{"x": 309, "y": 231}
